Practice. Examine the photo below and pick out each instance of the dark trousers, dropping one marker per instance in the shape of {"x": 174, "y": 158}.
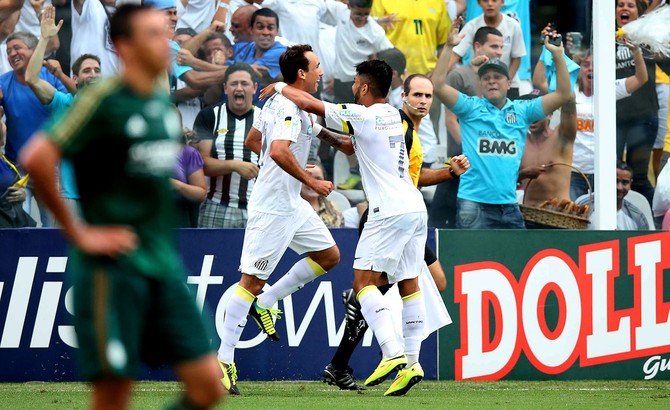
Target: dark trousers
{"x": 637, "y": 137}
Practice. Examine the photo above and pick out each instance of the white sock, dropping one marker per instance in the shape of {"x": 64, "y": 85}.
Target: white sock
{"x": 300, "y": 274}
{"x": 413, "y": 317}
{"x": 234, "y": 320}
{"x": 379, "y": 318}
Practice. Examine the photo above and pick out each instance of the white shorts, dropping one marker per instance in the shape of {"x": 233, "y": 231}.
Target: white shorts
{"x": 394, "y": 245}
{"x": 267, "y": 237}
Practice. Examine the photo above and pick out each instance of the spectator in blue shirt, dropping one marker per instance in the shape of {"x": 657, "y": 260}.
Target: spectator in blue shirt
{"x": 24, "y": 113}
{"x": 263, "y": 52}
{"x": 493, "y": 133}
{"x": 86, "y": 70}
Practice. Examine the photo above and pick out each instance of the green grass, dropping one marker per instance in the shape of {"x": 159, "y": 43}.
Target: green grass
{"x": 426, "y": 395}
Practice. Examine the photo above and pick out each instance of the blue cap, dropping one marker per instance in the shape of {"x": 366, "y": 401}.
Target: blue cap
{"x": 161, "y": 4}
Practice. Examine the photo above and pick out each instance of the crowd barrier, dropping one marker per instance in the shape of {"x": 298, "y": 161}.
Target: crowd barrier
{"x": 528, "y": 305}
{"x": 37, "y": 340}
{"x": 556, "y": 305}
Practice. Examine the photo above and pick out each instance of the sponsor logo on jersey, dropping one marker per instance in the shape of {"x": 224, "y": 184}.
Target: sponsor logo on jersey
{"x": 494, "y": 146}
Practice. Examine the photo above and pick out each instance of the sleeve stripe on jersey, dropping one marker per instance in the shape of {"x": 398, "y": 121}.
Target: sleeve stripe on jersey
{"x": 82, "y": 109}
{"x": 287, "y": 120}
{"x": 347, "y": 127}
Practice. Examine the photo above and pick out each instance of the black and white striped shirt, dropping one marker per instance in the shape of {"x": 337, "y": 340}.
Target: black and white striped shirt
{"x": 228, "y": 132}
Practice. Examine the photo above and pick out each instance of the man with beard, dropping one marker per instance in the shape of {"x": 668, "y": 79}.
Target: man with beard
{"x": 230, "y": 165}
{"x": 394, "y": 237}
{"x": 278, "y": 216}
{"x": 86, "y": 70}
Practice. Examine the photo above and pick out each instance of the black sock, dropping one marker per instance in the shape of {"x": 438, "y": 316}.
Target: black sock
{"x": 346, "y": 348}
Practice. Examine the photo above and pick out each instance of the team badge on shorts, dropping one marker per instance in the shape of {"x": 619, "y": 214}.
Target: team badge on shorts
{"x": 261, "y": 264}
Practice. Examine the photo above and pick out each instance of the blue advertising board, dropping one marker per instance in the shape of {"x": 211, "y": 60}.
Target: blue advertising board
{"x": 37, "y": 339}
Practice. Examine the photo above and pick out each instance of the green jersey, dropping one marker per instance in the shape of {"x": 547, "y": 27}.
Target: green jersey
{"x": 123, "y": 147}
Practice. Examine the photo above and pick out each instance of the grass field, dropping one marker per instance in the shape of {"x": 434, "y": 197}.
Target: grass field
{"x": 426, "y": 395}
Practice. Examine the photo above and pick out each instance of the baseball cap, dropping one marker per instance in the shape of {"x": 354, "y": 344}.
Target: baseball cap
{"x": 496, "y": 65}
{"x": 161, "y": 4}
{"x": 186, "y": 30}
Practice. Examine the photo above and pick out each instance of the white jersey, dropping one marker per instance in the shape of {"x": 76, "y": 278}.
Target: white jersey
{"x": 353, "y": 44}
{"x": 275, "y": 191}
{"x": 379, "y": 142}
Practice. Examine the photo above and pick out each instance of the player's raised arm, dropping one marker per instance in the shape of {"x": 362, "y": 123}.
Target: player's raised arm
{"x": 336, "y": 140}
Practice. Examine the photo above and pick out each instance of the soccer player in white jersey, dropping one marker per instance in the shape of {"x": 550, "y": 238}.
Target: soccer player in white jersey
{"x": 278, "y": 217}
{"x": 394, "y": 237}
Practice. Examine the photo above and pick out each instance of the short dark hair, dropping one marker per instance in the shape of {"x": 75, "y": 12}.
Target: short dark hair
{"x": 408, "y": 81}
{"x": 292, "y": 60}
{"x": 364, "y": 4}
{"x": 378, "y": 75}
{"x": 395, "y": 58}
{"x": 120, "y": 24}
{"x": 240, "y": 67}
{"x": 482, "y": 34}
{"x": 622, "y": 165}
{"x": 264, "y": 12}
{"x": 219, "y": 36}
{"x": 79, "y": 61}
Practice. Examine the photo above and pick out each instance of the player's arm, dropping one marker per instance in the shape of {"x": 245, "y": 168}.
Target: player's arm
{"x": 552, "y": 102}
{"x": 437, "y": 273}
{"x": 254, "y": 141}
{"x": 567, "y": 130}
{"x": 40, "y": 157}
{"x": 336, "y": 140}
{"x": 281, "y": 154}
{"x": 302, "y": 99}
{"x": 447, "y": 94}
{"x": 458, "y": 165}
{"x": 42, "y": 89}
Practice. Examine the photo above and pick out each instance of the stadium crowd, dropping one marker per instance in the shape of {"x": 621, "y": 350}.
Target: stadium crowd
{"x": 224, "y": 52}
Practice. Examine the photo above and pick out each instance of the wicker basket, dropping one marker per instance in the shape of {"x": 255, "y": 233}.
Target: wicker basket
{"x": 554, "y": 218}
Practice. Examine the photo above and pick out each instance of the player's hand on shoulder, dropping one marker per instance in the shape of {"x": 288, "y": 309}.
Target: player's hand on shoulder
{"x": 247, "y": 170}
{"x": 267, "y": 91}
{"x": 105, "y": 240}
